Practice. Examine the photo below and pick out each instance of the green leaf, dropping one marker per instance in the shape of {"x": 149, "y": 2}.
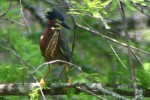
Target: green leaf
{"x": 104, "y": 4}
{"x": 114, "y": 5}
{"x": 138, "y": 1}
{"x": 74, "y": 2}
{"x": 96, "y": 15}
{"x": 4, "y": 6}
{"x": 103, "y": 11}
{"x": 146, "y": 66}
{"x": 73, "y": 11}
{"x": 129, "y": 6}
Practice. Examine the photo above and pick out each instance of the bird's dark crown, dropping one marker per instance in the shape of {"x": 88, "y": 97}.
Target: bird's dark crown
{"x": 54, "y": 15}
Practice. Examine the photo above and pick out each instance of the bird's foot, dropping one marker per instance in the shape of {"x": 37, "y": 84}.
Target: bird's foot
{"x": 67, "y": 88}
{"x": 68, "y": 80}
{"x": 42, "y": 83}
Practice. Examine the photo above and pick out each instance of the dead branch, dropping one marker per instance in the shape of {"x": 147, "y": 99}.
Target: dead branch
{"x": 122, "y": 13}
{"x": 58, "y": 89}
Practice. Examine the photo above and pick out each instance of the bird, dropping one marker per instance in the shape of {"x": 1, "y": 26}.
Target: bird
{"x": 53, "y": 45}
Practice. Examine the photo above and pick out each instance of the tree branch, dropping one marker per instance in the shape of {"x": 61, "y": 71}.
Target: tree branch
{"x": 111, "y": 39}
{"x": 130, "y": 59}
{"x": 59, "y": 89}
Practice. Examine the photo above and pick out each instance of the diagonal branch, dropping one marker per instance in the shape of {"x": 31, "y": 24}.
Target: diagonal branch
{"x": 130, "y": 59}
{"x": 12, "y": 21}
{"x": 111, "y": 39}
{"x": 21, "y": 8}
{"x": 140, "y": 8}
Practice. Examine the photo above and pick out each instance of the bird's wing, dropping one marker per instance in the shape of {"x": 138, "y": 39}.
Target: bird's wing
{"x": 65, "y": 48}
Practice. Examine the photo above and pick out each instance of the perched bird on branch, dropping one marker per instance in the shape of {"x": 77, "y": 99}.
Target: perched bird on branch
{"x": 52, "y": 43}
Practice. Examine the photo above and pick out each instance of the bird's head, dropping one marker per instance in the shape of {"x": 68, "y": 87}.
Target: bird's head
{"x": 58, "y": 17}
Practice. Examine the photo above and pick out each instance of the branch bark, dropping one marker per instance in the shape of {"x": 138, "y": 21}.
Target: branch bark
{"x": 58, "y": 89}
{"x": 130, "y": 59}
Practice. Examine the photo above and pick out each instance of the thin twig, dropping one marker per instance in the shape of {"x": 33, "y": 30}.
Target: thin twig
{"x": 5, "y": 13}
{"x": 89, "y": 92}
{"x": 24, "y": 17}
{"x": 118, "y": 56}
{"x": 111, "y": 39}
{"x": 56, "y": 61}
{"x": 139, "y": 9}
{"x": 136, "y": 57}
{"x": 12, "y": 21}
{"x": 74, "y": 37}
{"x": 122, "y": 13}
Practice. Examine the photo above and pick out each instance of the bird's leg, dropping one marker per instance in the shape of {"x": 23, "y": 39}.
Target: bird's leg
{"x": 68, "y": 77}
{"x": 42, "y": 82}
{"x": 67, "y": 73}
{"x": 49, "y": 70}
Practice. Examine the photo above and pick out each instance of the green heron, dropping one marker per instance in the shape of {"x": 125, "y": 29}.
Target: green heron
{"x": 52, "y": 44}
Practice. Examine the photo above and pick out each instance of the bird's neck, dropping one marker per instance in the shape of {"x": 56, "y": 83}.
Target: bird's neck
{"x": 54, "y": 25}
{"x": 48, "y": 33}
{"x": 51, "y": 23}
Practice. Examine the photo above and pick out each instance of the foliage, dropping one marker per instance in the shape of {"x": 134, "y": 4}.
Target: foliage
{"x": 34, "y": 95}
{"x": 93, "y": 8}
{"x": 20, "y": 53}
{"x": 144, "y": 75}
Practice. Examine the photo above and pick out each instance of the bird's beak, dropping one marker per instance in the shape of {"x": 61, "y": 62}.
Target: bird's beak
{"x": 65, "y": 25}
